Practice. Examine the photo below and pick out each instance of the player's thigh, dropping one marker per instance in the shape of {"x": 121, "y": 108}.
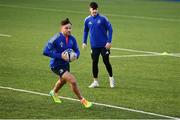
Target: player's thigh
{"x": 69, "y": 77}
{"x": 61, "y": 70}
{"x": 105, "y": 52}
{"x": 95, "y": 52}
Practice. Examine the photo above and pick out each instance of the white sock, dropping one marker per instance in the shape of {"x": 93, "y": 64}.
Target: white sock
{"x": 95, "y": 80}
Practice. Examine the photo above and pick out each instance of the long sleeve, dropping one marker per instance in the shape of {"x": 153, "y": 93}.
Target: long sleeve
{"x": 86, "y": 30}
{"x": 50, "y": 51}
{"x": 110, "y": 30}
{"x": 76, "y": 49}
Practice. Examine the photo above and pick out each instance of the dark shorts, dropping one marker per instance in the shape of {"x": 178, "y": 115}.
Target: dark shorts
{"x": 97, "y": 51}
{"x": 61, "y": 69}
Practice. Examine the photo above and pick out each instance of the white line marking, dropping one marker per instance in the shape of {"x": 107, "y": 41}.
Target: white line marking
{"x": 5, "y": 35}
{"x": 138, "y": 55}
{"x": 132, "y": 50}
{"x": 79, "y": 12}
{"x": 99, "y": 104}
{"x": 44, "y": 9}
{"x": 147, "y": 52}
{"x": 176, "y": 53}
{"x": 143, "y": 17}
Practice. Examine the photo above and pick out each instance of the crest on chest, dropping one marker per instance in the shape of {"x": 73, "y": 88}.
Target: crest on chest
{"x": 61, "y": 44}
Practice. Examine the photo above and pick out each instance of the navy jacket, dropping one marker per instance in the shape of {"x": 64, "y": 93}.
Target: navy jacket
{"x": 100, "y": 31}
{"x": 56, "y": 45}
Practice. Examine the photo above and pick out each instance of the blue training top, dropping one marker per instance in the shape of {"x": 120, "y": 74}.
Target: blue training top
{"x": 100, "y": 31}
{"x": 56, "y": 45}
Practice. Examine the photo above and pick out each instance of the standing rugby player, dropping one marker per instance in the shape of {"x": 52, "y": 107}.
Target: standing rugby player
{"x": 100, "y": 30}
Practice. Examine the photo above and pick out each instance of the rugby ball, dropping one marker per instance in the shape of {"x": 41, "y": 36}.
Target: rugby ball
{"x": 71, "y": 55}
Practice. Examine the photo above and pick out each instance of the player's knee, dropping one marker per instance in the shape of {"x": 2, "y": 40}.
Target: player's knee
{"x": 64, "y": 82}
{"x": 95, "y": 62}
{"x": 72, "y": 80}
{"x": 74, "y": 83}
{"x": 106, "y": 62}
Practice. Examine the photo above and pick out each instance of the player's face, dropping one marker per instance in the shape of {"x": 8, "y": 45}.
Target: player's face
{"x": 66, "y": 29}
{"x": 93, "y": 11}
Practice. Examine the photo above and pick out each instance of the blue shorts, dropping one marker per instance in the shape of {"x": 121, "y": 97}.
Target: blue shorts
{"x": 60, "y": 70}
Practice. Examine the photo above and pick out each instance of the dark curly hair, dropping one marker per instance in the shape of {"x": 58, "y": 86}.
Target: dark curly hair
{"x": 66, "y": 21}
{"x": 93, "y": 5}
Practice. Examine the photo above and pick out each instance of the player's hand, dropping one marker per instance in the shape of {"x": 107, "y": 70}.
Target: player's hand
{"x": 84, "y": 46}
{"x": 108, "y": 45}
{"x": 65, "y": 56}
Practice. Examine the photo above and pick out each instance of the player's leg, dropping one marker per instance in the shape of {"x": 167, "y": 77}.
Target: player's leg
{"x": 95, "y": 52}
{"x": 71, "y": 79}
{"x": 54, "y": 92}
{"x": 59, "y": 71}
{"x": 105, "y": 55}
{"x": 59, "y": 84}
{"x": 95, "y": 60}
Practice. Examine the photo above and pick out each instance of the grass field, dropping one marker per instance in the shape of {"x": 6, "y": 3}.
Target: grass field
{"x": 144, "y": 81}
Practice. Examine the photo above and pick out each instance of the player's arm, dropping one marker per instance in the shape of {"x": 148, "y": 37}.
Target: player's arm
{"x": 109, "y": 34}
{"x": 76, "y": 49}
{"x": 110, "y": 30}
{"x": 85, "y": 35}
{"x": 49, "y": 50}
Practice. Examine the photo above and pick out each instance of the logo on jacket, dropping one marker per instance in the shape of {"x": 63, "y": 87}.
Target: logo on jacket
{"x": 90, "y": 23}
{"x": 61, "y": 44}
{"x": 99, "y": 21}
